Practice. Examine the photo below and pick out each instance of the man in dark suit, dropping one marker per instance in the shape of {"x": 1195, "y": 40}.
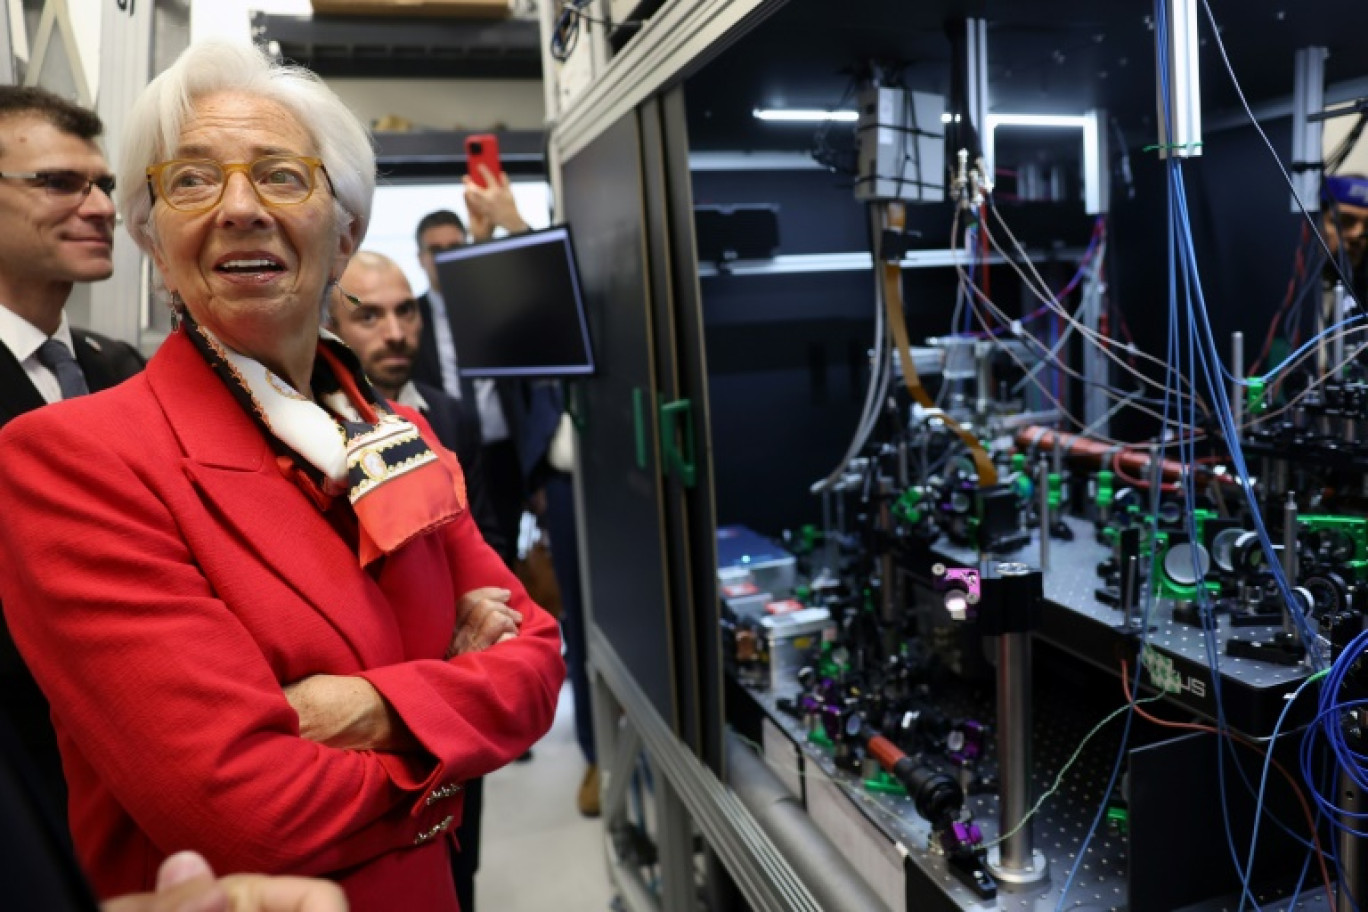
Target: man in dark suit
{"x": 58, "y": 223}
{"x": 496, "y": 401}
{"x": 383, "y": 330}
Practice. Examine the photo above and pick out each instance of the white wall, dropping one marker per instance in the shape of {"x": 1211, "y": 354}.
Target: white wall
{"x": 231, "y": 18}
{"x": 398, "y": 210}
{"x": 1336, "y": 129}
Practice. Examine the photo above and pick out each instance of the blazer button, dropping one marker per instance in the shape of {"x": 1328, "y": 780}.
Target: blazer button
{"x": 429, "y": 835}
{"x": 441, "y": 793}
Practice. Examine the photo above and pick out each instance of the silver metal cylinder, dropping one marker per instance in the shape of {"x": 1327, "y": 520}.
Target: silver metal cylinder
{"x": 1130, "y": 586}
{"x": 1016, "y": 859}
{"x": 1324, "y": 312}
{"x": 1289, "y": 556}
{"x": 1043, "y": 507}
{"x": 1341, "y": 314}
{"x": 1353, "y": 865}
{"x": 983, "y": 354}
{"x": 1014, "y": 745}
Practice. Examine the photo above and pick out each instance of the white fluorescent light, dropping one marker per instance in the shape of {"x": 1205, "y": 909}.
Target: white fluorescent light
{"x": 802, "y": 115}
{"x": 1076, "y": 121}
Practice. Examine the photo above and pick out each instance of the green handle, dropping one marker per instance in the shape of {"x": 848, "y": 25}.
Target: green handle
{"x": 574, "y": 403}
{"x": 678, "y": 416}
{"x": 639, "y": 425}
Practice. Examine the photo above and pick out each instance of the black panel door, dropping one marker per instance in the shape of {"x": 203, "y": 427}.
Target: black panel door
{"x": 624, "y": 534}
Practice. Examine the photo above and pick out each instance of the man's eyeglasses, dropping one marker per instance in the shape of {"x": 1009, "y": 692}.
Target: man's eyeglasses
{"x": 64, "y": 183}
{"x": 194, "y": 185}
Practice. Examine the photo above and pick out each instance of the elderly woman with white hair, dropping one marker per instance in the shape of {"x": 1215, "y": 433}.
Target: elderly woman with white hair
{"x": 252, "y": 589}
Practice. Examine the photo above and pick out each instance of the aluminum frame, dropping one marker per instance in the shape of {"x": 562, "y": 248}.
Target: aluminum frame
{"x": 681, "y": 36}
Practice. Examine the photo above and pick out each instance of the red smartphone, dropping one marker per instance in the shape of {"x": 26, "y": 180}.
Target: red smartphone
{"x": 482, "y": 149}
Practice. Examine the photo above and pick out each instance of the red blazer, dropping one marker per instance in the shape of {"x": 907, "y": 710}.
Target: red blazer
{"x": 163, "y": 579}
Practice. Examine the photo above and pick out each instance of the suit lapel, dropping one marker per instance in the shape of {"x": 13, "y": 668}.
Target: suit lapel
{"x": 231, "y": 464}
{"x": 427, "y": 366}
{"x": 17, "y": 393}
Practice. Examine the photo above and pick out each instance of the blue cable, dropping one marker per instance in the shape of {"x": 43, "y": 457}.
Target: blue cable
{"x": 1185, "y": 254}
{"x": 1268, "y": 761}
{"x": 1221, "y": 403}
{"x": 1305, "y": 348}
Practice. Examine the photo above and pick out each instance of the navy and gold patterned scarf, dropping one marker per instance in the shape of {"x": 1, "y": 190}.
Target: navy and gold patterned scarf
{"x": 344, "y": 440}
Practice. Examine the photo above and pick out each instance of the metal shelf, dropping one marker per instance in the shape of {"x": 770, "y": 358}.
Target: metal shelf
{"x": 376, "y": 47}
{"x": 853, "y": 262}
{"x": 440, "y": 154}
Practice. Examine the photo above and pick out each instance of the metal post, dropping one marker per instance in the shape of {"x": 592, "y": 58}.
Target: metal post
{"x": 1342, "y": 301}
{"x": 1183, "y": 136}
{"x": 118, "y": 305}
{"x": 1130, "y": 603}
{"x": 1096, "y": 163}
{"x": 1308, "y": 97}
{"x": 1016, "y": 859}
{"x": 983, "y": 353}
{"x": 678, "y": 886}
{"x": 1096, "y": 365}
{"x": 1043, "y": 508}
{"x": 1237, "y": 371}
{"x": 976, "y": 85}
{"x": 8, "y": 70}
{"x": 1324, "y": 314}
{"x": 1289, "y": 556}
{"x": 1351, "y": 848}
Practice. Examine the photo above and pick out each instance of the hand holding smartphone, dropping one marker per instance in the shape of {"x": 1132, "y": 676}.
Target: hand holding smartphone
{"x": 482, "y": 149}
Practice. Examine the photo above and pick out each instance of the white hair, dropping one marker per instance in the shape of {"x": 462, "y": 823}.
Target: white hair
{"x": 158, "y": 118}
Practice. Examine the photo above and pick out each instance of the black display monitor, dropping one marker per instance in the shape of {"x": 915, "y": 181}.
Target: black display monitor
{"x": 515, "y": 306}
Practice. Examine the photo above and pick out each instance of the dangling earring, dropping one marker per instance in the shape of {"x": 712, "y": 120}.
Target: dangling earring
{"x": 177, "y": 309}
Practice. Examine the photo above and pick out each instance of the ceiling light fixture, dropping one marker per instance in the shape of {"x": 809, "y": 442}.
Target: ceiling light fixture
{"x": 802, "y": 115}
{"x": 1076, "y": 121}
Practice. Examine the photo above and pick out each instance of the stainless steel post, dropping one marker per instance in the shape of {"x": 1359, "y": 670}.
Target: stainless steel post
{"x": 1289, "y": 556}
{"x": 984, "y": 357}
{"x": 1130, "y": 597}
{"x": 1015, "y": 860}
{"x": 1351, "y": 848}
{"x": 1308, "y": 97}
{"x": 1341, "y": 314}
{"x": 1182, "y": 135}
{"x": 1043, "y": 508}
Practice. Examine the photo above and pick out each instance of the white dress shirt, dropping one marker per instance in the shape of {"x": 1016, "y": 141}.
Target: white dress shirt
{"x": 409, "y": 396}
{"x": 493, "y": 423}
{"x": 23, "y": 339}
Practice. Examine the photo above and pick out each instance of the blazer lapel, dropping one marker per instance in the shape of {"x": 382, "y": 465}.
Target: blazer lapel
{"x": 230, "y": 462}
{"x": 17, "y": 393}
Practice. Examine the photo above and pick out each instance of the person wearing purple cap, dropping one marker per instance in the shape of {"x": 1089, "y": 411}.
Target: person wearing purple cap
{"x": 1344, "y": 222}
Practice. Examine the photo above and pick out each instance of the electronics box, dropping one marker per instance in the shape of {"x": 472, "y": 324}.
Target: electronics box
{"x": 901, "y": 145}
{"x": 792, "y": 636}
{"x": 467, "y": 9}
{"x": 771, "y": 567}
